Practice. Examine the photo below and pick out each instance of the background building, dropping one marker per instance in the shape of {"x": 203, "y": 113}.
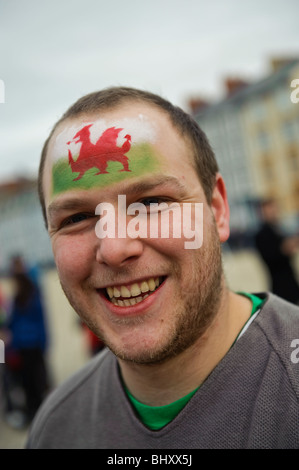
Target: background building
{"x": 254, "y": 132}
{"x": 22, "y": 229}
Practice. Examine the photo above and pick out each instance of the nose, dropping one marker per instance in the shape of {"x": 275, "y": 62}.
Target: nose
{"x": 115, "y": 248}
{"x": 118, "y": 252}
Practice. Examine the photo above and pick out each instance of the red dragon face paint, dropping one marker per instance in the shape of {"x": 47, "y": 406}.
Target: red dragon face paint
{"x": 100, "y": 153}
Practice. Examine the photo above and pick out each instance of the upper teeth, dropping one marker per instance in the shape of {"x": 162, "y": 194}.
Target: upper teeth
{"x": 134, "y": 290}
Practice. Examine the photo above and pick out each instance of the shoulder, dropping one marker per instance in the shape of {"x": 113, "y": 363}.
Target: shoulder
{"x": 75, "y": 393}
{"x": 278, "y": 317}
{"x": 279, "y": 323}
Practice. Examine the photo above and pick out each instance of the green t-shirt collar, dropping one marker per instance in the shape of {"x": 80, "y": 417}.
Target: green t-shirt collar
{"x": 156, "y": 417}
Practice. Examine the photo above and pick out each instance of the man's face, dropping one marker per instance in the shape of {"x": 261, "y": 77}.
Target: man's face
{"x": 147, "y": 298}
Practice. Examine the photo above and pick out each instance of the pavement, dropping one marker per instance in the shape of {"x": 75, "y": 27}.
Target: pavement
{"x": 11, "y": 438}
{"x": 68, "y": 348}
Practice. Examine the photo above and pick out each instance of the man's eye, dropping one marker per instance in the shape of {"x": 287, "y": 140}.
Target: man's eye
{"x": 75, "y": 219}
{"x": 151, "y": 200}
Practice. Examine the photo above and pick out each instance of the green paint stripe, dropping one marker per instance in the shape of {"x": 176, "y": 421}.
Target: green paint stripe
{"x": 142, "y": 159}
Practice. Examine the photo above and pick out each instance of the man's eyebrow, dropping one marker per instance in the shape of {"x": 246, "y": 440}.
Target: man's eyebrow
{"x": 68, "y": 204}
{"x": 77, "y": 203}
{"x": 153, "y": 183}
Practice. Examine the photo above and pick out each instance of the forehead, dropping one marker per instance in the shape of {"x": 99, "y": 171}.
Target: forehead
{"x": 141, "y": 116}
{"x": 144, "y": 133}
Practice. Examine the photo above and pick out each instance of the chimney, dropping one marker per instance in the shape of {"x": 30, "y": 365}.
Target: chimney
{"x": 197, "y": 104}
{"x": 234, "y": 84}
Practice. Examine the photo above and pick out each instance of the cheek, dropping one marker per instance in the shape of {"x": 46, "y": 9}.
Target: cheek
{"x": 172, "y": 254}
{"x": 172, "y": 248}
{"x": 73, "y": 257}
{"x": 179, "y": 234}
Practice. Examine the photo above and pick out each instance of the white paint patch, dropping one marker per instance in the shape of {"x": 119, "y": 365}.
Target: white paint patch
{"x": 140, "y": 129}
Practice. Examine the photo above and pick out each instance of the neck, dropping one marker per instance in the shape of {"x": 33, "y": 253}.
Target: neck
{"x": 161, "y": 384}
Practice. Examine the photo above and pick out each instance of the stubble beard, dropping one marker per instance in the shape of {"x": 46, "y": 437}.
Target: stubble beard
{"x": 198, "y": 308}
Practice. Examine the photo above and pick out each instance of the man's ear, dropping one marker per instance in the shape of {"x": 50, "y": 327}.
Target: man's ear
{"x": 220, "y": 208}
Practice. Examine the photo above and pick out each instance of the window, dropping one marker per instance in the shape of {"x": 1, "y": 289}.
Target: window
{"x": 294, "y": 162}
{"x": 258, "y": 109}
{"x": 263, "y": 139}
{"x": 289, "y": 129}
{"x": 268, "y": 168}
{"x": 282, "y": 97}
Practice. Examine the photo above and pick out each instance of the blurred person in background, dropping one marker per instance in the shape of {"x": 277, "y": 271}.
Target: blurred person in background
{"x": 12, "y": 402}
{"x": 28, "y": 337}
{"x": 277, "y": 252}
{"x": 5, "y": 402}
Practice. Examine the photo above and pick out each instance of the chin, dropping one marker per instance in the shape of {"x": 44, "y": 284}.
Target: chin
{"x": 151, "y": 351}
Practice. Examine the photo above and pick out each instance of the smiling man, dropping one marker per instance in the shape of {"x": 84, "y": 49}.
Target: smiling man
{"x": 188, "y": 363}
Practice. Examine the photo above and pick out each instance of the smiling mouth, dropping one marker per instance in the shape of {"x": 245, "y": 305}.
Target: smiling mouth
{"x": 126, "y": 296}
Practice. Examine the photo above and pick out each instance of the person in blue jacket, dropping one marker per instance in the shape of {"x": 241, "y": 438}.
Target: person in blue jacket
{"x": 29, "y": 337}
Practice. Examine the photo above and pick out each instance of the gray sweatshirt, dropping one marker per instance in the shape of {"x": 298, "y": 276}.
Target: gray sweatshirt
{"x": 250, "y": 399}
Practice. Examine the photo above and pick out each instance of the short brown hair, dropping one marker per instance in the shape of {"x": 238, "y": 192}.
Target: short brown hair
{"x": 109, "y": 98}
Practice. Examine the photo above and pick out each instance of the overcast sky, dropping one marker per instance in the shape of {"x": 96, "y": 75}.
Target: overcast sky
{"x": 54, "y": 51}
